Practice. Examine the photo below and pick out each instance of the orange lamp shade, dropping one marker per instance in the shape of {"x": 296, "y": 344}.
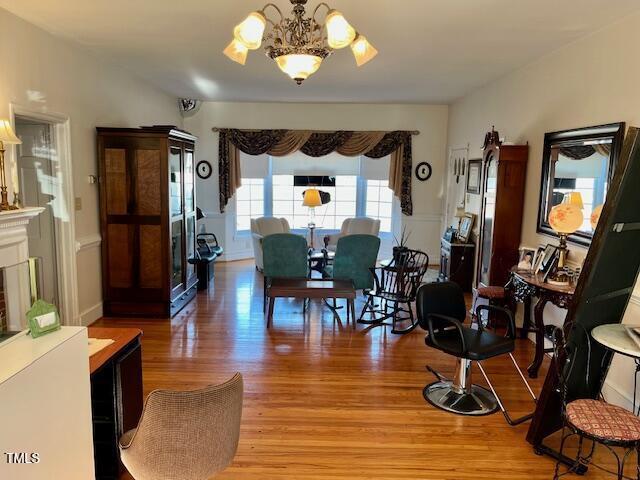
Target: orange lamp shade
{"x": 574, "y": 198}
{"x": 566, "y": 218}
{"x": 312, "y": 198}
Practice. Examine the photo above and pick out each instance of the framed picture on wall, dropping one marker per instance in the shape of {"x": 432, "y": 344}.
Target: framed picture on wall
{"x": 474, "y": 172}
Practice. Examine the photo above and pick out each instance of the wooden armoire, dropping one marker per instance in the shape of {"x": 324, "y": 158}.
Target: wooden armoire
{"x": 148, "y": 220}
{"x": 504, "y": 171}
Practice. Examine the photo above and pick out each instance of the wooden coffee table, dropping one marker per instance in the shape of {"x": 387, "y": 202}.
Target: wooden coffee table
{"x": 312, "y": 288}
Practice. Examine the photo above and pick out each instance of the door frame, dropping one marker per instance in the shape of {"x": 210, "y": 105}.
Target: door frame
{"x": 65, "y": 245}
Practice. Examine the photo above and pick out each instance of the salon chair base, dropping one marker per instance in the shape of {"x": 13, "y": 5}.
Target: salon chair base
{"x": 460, "y": 395}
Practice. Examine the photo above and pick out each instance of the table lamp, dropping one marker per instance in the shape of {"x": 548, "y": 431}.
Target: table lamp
{"x": 565, "y": 219}
{"x": 6, "y": 136}
{"x": 312, "y": 200}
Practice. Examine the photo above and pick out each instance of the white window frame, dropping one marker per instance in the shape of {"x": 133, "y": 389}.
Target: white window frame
{"x": 361, "y": 208}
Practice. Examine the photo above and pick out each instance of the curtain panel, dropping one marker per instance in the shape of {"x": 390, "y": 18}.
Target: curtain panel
{"x": 279, "y": 143}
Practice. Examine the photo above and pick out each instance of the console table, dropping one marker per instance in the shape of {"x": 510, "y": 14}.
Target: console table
{"x": 523, "y": 286}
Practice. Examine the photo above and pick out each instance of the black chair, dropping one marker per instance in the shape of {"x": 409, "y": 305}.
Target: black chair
{"x": 208, "y": 250}
{"x": 396, "y": 284}
{"x": 442, "y": 312}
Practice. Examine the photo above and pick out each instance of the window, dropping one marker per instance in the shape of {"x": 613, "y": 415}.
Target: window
{"x": 380, "y": 203}
{"x": 273, "y": 187}
{"x": 249, "y": 202}
{"x": 287, "y": 202}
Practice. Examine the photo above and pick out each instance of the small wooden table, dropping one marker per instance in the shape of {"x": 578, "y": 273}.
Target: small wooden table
{"x": 116, "y": 395}
{"x": 523, "y": 286}
{"x": 311, "y": 288}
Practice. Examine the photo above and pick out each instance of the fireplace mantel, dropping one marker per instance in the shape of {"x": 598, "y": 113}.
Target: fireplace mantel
{"x": 14, "y": 247}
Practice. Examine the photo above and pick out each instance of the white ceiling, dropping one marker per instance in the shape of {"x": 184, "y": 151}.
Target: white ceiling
{"x": 431, "y": 51}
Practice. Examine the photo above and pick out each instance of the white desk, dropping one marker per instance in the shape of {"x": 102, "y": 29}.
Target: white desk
{"x": 45, "y": 405}
{"x": 616, "y": 338}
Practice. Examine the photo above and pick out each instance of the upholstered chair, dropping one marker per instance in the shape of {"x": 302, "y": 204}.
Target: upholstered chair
{"x": 354, "y": 226}
{"x": 355, "y": 257}
{"x": 190, "y": 435}
{"x": 285, "y": 256}
{"x": 260, "y": 228}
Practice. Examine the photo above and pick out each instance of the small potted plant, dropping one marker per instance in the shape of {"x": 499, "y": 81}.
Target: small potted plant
{"x": 400, "y": 250}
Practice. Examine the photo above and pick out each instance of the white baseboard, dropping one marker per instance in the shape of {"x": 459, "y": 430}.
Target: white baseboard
{"x": 90, "y": 315}
{"x": 233, "y": 256}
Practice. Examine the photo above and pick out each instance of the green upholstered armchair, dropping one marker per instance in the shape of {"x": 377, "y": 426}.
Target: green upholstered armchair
{"x": 285, "y": 256}
{"x": 355, "y": 256}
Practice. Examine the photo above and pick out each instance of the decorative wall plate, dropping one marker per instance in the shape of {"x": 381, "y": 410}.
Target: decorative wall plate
{"x": 423, "y": 171}
{"x": 203, "y": 169}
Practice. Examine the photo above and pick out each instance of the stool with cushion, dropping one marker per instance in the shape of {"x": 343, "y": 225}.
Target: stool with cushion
{"x": 493, "y": 295}
{"x": 587, "y": 418}
{"x": 442, "y": 312}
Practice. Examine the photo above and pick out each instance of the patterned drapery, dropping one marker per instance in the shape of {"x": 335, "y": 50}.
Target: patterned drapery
{"x": 316, "y": 144}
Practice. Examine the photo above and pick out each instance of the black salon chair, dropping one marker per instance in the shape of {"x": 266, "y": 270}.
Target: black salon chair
{"x": 441, "y": 312}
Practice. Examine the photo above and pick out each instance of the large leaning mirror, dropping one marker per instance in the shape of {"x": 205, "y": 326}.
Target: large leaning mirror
{"x": 583, "y": 161}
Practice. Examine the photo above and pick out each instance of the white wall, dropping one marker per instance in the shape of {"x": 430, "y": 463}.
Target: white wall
{"x": 430, "y": 145}
{"x": 44, "y": 74}
{"x": 592, "y": 81}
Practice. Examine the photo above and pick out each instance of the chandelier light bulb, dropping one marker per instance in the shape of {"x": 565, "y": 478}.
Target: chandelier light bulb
{"x": 299, "y": 66}
{"x": 339, "y": 33}
{"x": 237, "y": 52}
{"x": 362, "y": 50}
{"x": 251, "y": 30}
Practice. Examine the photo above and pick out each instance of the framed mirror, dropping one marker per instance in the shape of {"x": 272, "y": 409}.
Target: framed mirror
{"x": 583, "y": 161}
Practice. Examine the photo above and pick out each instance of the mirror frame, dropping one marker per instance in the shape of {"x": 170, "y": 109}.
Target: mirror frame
{"x": 614, "y": 131}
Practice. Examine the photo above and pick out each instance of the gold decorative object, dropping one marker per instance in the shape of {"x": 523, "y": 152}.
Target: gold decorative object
{"x": 6, "y": 136}
{"x": 298, "y": 45}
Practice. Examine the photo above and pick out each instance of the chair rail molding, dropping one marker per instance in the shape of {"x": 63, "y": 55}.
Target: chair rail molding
{"x": 88, "y": 241}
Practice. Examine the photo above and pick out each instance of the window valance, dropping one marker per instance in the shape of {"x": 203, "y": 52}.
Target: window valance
{"x": 279, "y": 143}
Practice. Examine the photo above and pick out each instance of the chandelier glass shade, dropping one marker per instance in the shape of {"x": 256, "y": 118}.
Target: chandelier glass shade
{"x": 298, "y": 44}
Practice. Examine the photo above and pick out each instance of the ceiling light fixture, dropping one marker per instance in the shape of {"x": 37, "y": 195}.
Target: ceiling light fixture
{"x": 299, "y": 44}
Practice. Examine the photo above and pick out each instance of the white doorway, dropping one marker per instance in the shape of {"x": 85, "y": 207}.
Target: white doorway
{"x": 42, "y": 174}
{"x": 35, "y": 159}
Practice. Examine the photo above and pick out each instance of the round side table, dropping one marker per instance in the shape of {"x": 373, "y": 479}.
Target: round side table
{"x": 616, "y": 338}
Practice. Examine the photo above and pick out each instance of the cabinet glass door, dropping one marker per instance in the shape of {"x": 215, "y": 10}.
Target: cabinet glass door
{"x": 177, "y": 267}
{"x": 191, "y": 248}
{"x": 189, "y": 187}
{"x": 489, "y": 217}
{"x": 175, "y": 181}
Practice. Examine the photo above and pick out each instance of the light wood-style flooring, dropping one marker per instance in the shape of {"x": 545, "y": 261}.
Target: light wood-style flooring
{"x": 324, "y": 402}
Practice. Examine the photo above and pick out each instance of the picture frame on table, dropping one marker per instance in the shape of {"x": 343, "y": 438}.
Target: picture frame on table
{"x": 526, "y": 259}
{"x": 466, "y": 225}
{"x": 474, "y": 176}
{"x": 548, "y": 260}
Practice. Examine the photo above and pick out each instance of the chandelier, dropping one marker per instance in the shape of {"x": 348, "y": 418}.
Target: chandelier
{"x": 299, "y": 44}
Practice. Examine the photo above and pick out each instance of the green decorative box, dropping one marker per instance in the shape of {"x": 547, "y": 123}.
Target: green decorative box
{"x": 43, "y": 318}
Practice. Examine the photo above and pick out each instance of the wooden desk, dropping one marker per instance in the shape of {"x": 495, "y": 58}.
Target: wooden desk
{"x": 311, "y": 288}
{"x": 523, "y": 286}
{"x": 116, "y": 395}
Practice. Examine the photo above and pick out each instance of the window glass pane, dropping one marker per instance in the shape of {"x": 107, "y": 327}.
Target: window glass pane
{"x": 386, "y": 195}
{"x": 385, "y": 224}
{"x": 243, "y": 222}
{"x": 385, "y": 210}
{"x": 243, "y": 207}
{"x": 282, "y": 192}
{"x": 372, "y": 209}
{"x": 283, "y": 180}
{"x": 282, "y": 207}
{"x": 249, "y": 202}
{"x": 346, "y": 208}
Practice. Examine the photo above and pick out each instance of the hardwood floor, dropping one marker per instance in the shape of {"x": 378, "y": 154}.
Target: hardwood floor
{"x": 324, "y": 402}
